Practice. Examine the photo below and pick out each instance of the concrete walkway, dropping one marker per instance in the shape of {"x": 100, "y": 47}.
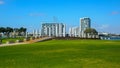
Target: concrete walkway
{"x": 13, "y": 44}
{"x": 27, "y": 42}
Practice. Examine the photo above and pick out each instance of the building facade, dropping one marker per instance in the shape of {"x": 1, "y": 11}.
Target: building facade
{"x": 53, "y": 29}
{"x": 74, "y": 32}
{"x": 84, "y": 24}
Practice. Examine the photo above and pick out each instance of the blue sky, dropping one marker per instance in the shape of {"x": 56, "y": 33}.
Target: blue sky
{"x": 105, "y": 14}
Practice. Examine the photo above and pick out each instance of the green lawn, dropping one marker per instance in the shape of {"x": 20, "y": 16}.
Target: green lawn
{"x": 62, "y": 54}
{"x": 10, "y": 39}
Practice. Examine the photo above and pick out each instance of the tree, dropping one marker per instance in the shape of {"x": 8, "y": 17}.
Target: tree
{"x": 22, "y": 30}
{"x": 15, "y": 32}
{"x": 2, "y": 30}
{"x": 16, "y": 29}
{"x": 8, "y": 31}
{"x": 90, "y": 31}
{"x": 19, "y": 31}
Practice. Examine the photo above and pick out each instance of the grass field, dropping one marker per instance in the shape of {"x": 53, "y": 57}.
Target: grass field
{"x": 10, "y": 39}
{"x": 62, "y": 54}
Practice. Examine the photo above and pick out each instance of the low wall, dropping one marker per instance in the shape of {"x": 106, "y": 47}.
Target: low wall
{"x": 46, "y": 39}
{"x": 73, "y": 38}
{"x": 10, "y": 42}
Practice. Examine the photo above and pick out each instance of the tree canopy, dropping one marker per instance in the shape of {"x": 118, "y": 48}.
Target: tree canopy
{"x": 9, "y": 29}
{"x": 91, "y": 31}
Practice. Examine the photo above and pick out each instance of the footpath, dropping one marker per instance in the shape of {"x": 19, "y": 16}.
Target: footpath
{"x": 27, "y": 42}
{"x": 12, "y": 44}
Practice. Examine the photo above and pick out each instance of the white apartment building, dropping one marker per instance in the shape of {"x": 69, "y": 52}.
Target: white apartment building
{"x": 79, "y": 31}
{"x": 85, "y": 23}
{"x": 74, "y": 32}
{"x": 53, "y": 29}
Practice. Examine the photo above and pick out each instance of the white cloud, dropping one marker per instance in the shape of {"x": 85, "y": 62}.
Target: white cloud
{"x": 1, "y": 2}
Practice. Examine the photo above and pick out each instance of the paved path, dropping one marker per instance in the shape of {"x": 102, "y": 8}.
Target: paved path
{"x": 28, "y": 42}
{"x": 13, "y": 44}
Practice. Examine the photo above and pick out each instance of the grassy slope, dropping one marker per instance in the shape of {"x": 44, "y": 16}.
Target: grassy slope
{"x": 11, "y": 39}
{"x": 62, "y": 54}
